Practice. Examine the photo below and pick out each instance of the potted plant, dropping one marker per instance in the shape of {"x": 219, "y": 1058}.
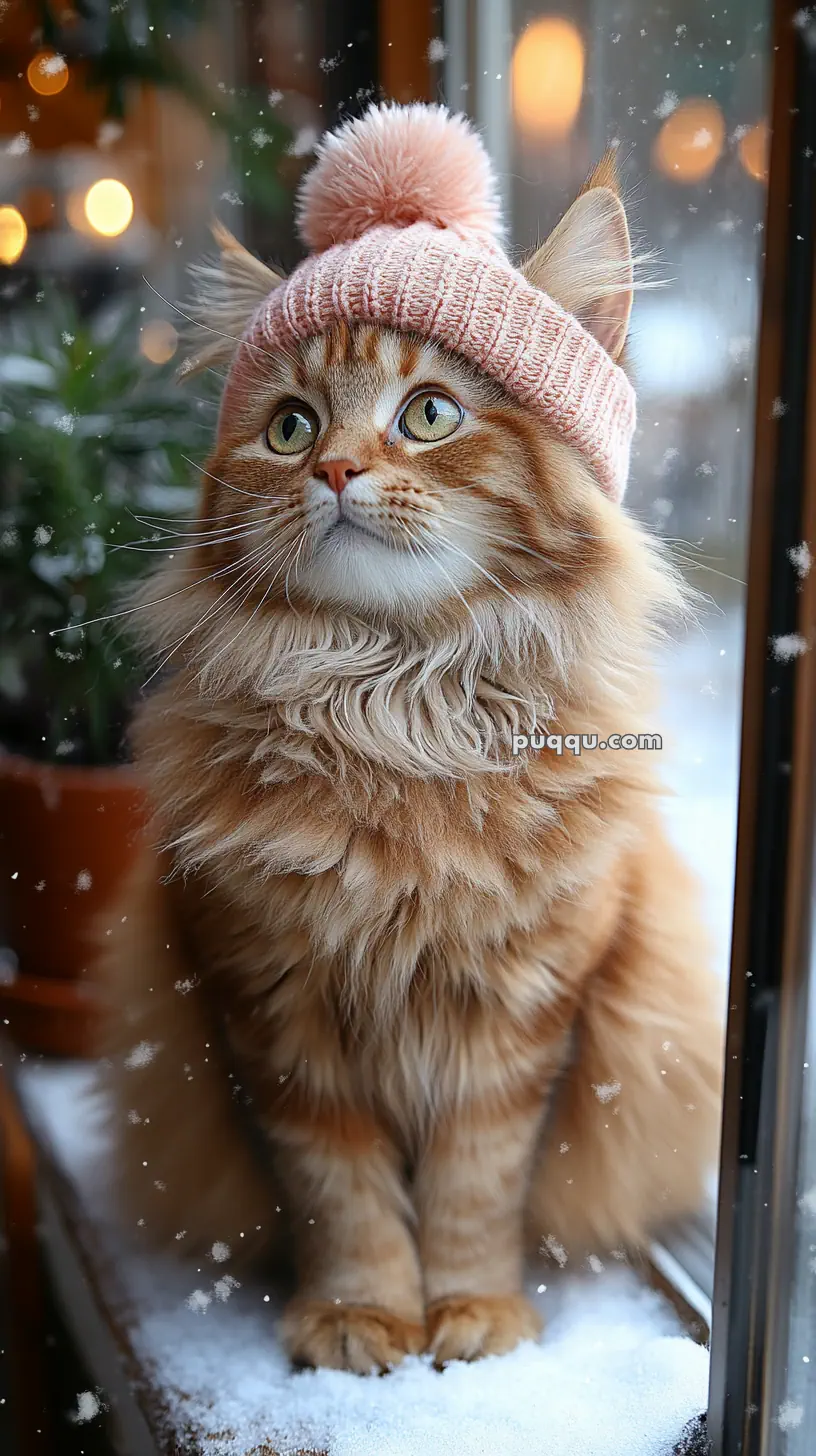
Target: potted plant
{"x": 93, "y": 439}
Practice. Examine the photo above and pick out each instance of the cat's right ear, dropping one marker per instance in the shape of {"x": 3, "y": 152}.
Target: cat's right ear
{"x": 226, "y": 292}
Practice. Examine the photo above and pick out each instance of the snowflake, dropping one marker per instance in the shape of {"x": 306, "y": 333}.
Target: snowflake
{"x": 231, "y": 197}
{"x": 133, "y": 1116}
{"x": 778, "y": 409}
{"x": 274, "y": 98}
{"x": 668, "y": 103}
{"x": 88, "y": 1407}
{"x": 185, "y": 987}
{"x": 595, "y": 1264}
{"x": 220, "y": 1251}
{"x": 142, "y": 1054}
{"x": 42, "y": 535}
{"x": 304, "y": 142}
{"x": 329, "y": 63}
{"x": 84, "y": 880}
{"x": 65, "y": 424}
{"x": 222, "y": 1288}
{"x": 437, "y": 51}
{"x": 260, "y": 138}
{"x": 788, "y": 646}
{"x": 801, "y": 561}
{"x": 702, "y": 139}
{"x": 705, "y": 468}
{"x": 198, "y": 1301}
{"x": 606, "y": 1091}
{"x": 803, "y": 17}
{"x": 53, "y": 65}
{"x": 790, "y": 1416}
{"x": 555, "y": 1249}
{"x": 807, "y": 1202}
{"x": 19, "y": 145}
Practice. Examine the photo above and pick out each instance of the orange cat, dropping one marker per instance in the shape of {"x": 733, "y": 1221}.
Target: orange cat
{"x": 394, "y": 994}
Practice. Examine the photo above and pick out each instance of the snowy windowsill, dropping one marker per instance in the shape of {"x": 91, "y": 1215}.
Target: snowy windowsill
{"x": 614, "y": 1373}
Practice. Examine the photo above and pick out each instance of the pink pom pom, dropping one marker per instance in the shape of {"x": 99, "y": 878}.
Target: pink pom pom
{"x": 398, "y": 165}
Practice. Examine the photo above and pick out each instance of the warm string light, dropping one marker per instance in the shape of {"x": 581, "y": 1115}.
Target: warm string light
{"x": 159, "y": 341}
{"x": 547, "y": 77}
{"x": 690, "y": 141}
{"x": 47, "y": 73}
{"x": 108, "y": 207}
{"x": 13, "y": 235}
{"x": 753, "y": 149}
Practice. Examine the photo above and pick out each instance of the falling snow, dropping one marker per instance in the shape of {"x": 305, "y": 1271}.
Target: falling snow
{"x": 702, "y": 139}
{"x": 790, "y": 1416}
{"x": 555, "y": 1249}
{"x": 142, "y": 1055}
{"x": 19, "y": 145}
{"x": 220, "y": 1251}
{"x": 606, "y": 1091}
{"x": 222, "y": 1288}
{"x": 437, "y": 51}
{"x": 42, "y": 535}
{"x": 108, "y": 133}
{"x": 53, "y": 65}
{"x": 88, "y": 1407}
{"x": 303, "y": 142}
{"x": 668, "y": 103}
{"x": 274, "y": 98}
{"x": 800, "y": 558}
{"x": 807, "y": 1202}
{"x": 198, "y": 1301}
{"x": 84, "y": 880}
{"x": 789, "y": 646}
{"x": 778, "y": 409}
{"x": 65, "y": 424}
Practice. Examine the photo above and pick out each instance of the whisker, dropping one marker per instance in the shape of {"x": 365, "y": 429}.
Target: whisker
{"x": 253, "y": 494}
{"x": 210, "y": 330}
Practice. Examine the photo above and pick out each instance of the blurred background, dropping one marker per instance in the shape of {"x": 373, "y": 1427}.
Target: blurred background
{"x": 124, "y": 127}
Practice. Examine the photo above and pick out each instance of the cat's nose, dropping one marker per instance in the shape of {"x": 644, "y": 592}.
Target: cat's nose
{"x": 337, "y": 473}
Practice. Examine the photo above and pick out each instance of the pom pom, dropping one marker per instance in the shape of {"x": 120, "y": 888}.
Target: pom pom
{"x": 399, "y": 165}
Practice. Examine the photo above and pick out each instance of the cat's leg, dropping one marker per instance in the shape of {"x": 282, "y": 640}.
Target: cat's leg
{"x": 359, "y": 1305}
{"x": 181, "y": 1163}
{"x": 635, "y": 1123}
{"x": 471, "y": 1188}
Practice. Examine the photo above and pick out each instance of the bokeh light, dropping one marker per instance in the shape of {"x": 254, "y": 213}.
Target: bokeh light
{"x": 108, "y": 207}
{"x": 47, "y": 73}
{"x": 690, "y": 141}
{"x": 753, "y": 151}
{"x": 13, "y": 234}
{"x": 159, "y": 341}
{"x": 547, "y": 75}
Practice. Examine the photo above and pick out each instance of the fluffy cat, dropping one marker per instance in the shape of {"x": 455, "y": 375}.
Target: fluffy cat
{"x": 389, "y": 996}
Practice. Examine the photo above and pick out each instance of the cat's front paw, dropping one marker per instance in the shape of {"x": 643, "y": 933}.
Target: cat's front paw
{"x": 362, "y": 1338}
{"x": 468, "y": 1326}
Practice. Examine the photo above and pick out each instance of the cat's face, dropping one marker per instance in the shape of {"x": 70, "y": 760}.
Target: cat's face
{"x": 381, "y": 472}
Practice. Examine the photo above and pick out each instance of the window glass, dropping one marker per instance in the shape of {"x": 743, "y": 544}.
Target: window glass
{"x": 679, "y": 92}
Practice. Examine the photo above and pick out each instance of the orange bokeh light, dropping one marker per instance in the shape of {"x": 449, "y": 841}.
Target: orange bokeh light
{"x": 47, "y": 73}
{"x": 690, "y": 141}
{"x": 753, "y": 151}
{"x": 547, "y": 75}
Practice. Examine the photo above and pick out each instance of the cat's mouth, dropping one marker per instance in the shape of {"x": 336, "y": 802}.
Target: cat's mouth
{"x": 345, "y": 528}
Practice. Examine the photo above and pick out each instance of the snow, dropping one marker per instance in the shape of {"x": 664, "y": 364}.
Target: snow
{"x": 613, "y": 1374}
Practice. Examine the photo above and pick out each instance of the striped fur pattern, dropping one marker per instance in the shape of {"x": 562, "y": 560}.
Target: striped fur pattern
{"x": 386, "y": 997}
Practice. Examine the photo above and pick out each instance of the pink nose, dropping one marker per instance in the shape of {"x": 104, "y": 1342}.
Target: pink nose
{"x": 337, "y": 473}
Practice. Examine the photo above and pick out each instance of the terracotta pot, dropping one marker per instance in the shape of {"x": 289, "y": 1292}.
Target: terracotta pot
{"x": 67, "y": 838}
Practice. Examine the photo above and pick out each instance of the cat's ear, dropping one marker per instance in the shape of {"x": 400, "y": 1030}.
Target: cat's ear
{"x": 586, "y": 262}
{"x": 226, "y": 292}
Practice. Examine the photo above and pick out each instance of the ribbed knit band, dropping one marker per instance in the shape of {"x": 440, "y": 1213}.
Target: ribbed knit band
{"x": 463, "y": 293}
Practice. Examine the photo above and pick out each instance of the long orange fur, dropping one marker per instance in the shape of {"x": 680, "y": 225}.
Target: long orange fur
{"x": 385, "y": 996}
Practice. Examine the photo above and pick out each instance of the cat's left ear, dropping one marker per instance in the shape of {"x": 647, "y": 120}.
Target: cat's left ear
{"x": 226, "y": 293}
{"x": 586, "y": 262}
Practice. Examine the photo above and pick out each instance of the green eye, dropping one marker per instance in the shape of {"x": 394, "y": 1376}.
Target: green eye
{"x": 430, "y": 417}
{"x": 292, "y": 429}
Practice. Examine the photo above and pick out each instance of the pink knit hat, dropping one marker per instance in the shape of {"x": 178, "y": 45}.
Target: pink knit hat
{"x": 402, "y": 217}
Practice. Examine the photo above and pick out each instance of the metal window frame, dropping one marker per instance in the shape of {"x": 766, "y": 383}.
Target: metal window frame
{"x": 770, "y": 964}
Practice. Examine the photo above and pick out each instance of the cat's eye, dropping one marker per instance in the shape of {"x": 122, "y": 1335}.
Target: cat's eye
{"x": 430, "y": 417}
{"x": 292, "y": 429}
